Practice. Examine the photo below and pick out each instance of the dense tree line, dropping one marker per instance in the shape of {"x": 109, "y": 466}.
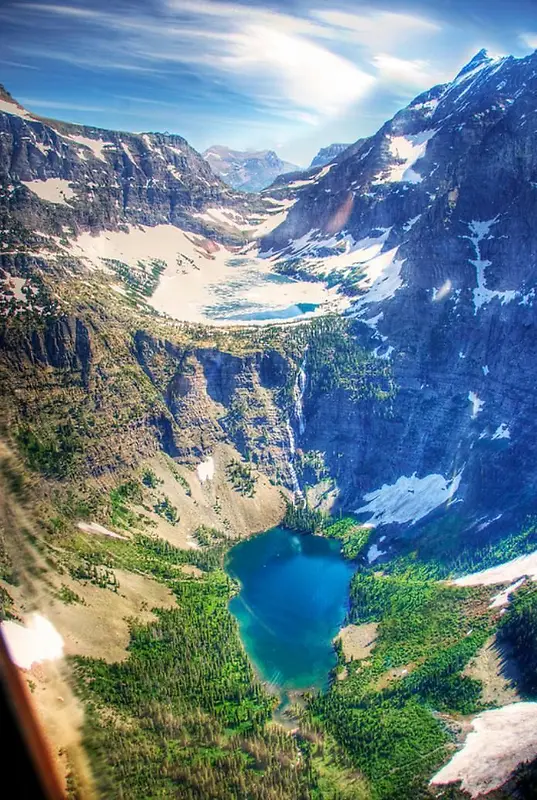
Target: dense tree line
{"x": 519, "y": 630}
{"x": 383, "y": 715}
{"x": 184, "y": 716}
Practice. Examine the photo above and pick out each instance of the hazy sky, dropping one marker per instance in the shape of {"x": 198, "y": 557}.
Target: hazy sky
{"x": 291, "y": 76}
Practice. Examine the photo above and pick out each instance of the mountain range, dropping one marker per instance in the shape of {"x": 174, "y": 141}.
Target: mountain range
{"x": 246, "y": 171}
{"x": 151, "y": 386}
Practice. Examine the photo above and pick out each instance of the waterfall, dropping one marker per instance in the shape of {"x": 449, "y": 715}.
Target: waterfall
{"x": 292, "y": 451}
{"x": 298, "y": 396}
{"x": 291, "y": 436}
{"x": 299, "y": 388}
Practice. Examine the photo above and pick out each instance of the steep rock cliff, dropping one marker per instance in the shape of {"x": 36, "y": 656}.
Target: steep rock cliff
{"x": 428, "y": 224}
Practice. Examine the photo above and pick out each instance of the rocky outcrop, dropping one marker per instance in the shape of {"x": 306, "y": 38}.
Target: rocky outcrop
{"x": 61, "y": 178}
{"x": 435, "y": 216}
{"x": 424, "y": 402}
{"x": 328, "y": 154}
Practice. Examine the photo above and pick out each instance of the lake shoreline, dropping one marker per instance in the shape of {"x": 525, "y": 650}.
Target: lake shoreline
{"x": 292, "y": 602}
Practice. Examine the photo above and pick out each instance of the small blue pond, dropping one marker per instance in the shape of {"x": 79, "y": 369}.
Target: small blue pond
{"x": 293, "y": 599}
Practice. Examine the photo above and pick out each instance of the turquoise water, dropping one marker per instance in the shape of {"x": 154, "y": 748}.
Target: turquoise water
{"x": 272, "y": 313}
{"x": 293, "y": 599}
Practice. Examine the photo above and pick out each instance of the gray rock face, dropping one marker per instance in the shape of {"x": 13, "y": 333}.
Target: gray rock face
{"x": 430, "y": 226}
{"x": 108, "y": 177}
{"x": 328, "y": 154}
{"x": 247, "y": 171}
{"x": 447, "y": 191}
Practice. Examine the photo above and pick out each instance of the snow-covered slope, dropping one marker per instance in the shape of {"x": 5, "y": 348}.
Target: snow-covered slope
{"x": 429, "y": 226}
{"x": 56, "y": 176}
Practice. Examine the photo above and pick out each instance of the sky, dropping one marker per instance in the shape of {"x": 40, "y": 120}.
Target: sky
{"x": 289, "y": 75}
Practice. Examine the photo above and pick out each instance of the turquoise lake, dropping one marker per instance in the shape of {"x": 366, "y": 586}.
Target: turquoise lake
{"x": 293, "y": 600}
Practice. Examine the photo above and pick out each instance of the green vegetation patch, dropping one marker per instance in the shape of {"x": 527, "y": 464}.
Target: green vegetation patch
{"x": 53, "y": 452}
{"x": 184, "y": 716}
{"x": 384, "y": 714}
{"x": 241, "y": 477}
{"x": 165, "y": 508}
{"x": 141, "y": 280}
{"x": 335, "y": 360}
{"x": 518, "y": 629}
{"x": 353, "y": 537}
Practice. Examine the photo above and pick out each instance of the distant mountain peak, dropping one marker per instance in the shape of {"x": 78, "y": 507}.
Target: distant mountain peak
{"x": 327, "y": 154}
{"x": 481, "y": 59}
{"x": 246, "y": 170}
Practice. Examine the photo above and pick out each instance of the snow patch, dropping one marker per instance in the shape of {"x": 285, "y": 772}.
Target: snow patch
{"x": 382, "y": 278}
{"x": 502, "y": 738}
{"x": 477, "y": 404}
{"x": 407, "y": 150}
{"x": 174, "y": 171}
{"x": 410, "y": 224}
{"x": 509, "y": 571}
{"x": 13, "y": 108}
{"x": 176, "y": 150}
{"x": 409, "y": 499}
{"x": 128, "y": 153}
{"x": 94, "y": 527}
{"x": 43, "y": 148}
{"x": 53, "y": 190}
{"x": 479, "y": 230}
{"x": 36, "y": 641}
{"x": 502, "y": 432}
{"x": 205, "y": 470}
{"x": 373, "y": 553}
{"x": 95, "y": 145}
{"x": 223, "y": 216}
{"x": 503, "y": 598}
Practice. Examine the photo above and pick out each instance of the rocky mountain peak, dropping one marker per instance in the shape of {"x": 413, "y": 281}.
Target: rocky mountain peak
{"x": 327, "y": 154}
{"x": 63, "y": 175}
{"x": 481, "y": 59}
{"x": 247, "y": 170}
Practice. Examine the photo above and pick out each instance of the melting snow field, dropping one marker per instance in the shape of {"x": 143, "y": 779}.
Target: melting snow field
{"x": 503, "y": 598}
{"x": 407, "y": 150}
{"x": 36, "y": 641}
{"x": 94, "y": 527}
{"x": 205, "y": 470}
{"x": 480, "y": 230}
{"x": 501, "y": 740}
{"x": 408, "y": 499}
{"x": 510, "y": 571}
{"x": 477, "y": 404}
{"x": 95, "y": 145}
{"x": 54, "y": 190}
{"x": 373, "y": 553}
{"x": 205, "y": 282}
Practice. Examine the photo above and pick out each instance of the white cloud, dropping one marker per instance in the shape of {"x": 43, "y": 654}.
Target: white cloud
{"x": 308, "y": 75}
{"x": 383, "y": 29}
{"x": 263, "y": 53}
{"x": 315, "y": 64}
{"x": 529, "y": 40}
{"x": 415, "y": 74}
{"x": 30, "y": 102}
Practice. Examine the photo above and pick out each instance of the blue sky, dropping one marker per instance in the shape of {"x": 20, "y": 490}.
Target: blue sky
{"x": 290, "y": 76}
